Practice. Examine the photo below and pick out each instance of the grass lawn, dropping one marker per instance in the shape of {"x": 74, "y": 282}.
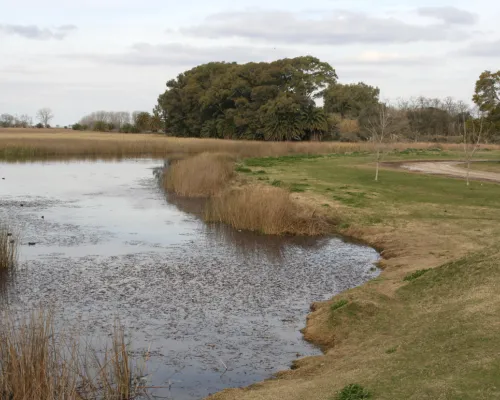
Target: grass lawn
{"x": 428, "y": 326}
{"x": 490, "y": 166}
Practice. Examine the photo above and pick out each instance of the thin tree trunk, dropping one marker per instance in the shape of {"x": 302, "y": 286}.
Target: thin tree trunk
{"x": 468, "y": 171}
{"x": 378, "y": 162}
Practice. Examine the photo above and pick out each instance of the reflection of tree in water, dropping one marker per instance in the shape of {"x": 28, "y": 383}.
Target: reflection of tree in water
{"x": 247, "y": 243}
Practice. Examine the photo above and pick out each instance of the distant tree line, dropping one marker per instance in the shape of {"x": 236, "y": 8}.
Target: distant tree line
{"x": 44, "y": 116}
{"x": 120, "y": 121}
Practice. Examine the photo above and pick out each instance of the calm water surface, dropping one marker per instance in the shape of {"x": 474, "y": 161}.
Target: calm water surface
{"x": 111, "y": 244}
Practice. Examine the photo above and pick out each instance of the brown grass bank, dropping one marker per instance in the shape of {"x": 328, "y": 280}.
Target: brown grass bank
{"x": 202, "y": 175}
{"x": 266, "y": 209}
{"x": 37, "y": 362}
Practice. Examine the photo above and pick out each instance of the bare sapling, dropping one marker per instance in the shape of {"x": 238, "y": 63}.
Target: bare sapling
{"x": 473, "y": 133}
{"x": 379, "y": 124}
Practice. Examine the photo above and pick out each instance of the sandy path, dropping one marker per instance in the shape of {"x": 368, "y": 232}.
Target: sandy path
{"x": 450, "y": 168}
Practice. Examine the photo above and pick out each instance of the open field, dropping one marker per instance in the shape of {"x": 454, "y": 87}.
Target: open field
{"x": 488, "y": 166}
{"x": 427, "y": 328}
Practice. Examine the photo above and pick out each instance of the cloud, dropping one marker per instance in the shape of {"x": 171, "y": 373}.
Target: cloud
{"x": 387, "y": 59}
{"x": 449, "y": 15}
{"x": 178, "y": 54}
{"x": 489, "y": 49}
{"x": 339, "y": 28}
{"x": 36, "y": 33}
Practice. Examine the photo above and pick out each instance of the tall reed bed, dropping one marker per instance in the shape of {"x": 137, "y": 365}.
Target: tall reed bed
{"x": 202, "y": 175}
{"x": 267, "y": 209}
{"x": 262, "y": 208}
{"x": 25, "y": 145}
{"x": 37, "y": 362}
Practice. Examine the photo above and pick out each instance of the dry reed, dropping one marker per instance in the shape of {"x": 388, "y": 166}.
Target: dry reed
{"x": 36, "y": 362}
{"x": 19, "y": 144}
{"x": 202, "y": 175}
{"x": 8, "y": 248}
{"x": 267, "y": 209}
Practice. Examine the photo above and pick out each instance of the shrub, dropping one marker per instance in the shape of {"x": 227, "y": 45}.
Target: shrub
{"x": 77, "y": 127}
{"x": 353, "y": 392}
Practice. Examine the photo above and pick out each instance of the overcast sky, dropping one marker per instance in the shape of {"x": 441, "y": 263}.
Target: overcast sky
{"x": 80, "y": 56}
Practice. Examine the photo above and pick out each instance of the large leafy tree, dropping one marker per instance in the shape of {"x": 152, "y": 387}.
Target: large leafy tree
{"x": 349, "y": 100}
{"x": 487, "y": 93}
{"x": 249, "y": 101}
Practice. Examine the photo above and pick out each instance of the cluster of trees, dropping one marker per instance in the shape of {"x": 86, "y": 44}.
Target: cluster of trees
{"x": 271, "y": 101}
{"x": 121, "y": 121}
{"x": 277, "y": 101}
{"x": 44, "y": 116}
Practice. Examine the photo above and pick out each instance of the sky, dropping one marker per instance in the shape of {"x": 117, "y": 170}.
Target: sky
{"x": 79, "y": 56}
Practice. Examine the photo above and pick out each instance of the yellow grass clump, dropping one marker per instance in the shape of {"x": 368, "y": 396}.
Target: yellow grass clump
{"x": 267, "y": 209}
{"x": 202, "y": 175}
{"x": 37, "y": 362}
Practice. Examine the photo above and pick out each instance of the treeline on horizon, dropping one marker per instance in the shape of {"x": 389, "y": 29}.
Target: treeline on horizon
{"x": 279, "y": 101}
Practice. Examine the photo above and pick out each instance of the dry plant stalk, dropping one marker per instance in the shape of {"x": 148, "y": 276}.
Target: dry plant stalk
{"x": 473, "y": 133}
{"x": 8, "y": 247}
{"x": 36, "y": 362}
{"x": 202, "y": 175}
{"x": 266, "y": 209}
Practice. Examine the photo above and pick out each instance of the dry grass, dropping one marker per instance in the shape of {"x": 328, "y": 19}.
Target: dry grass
{"x": 36, "y": 362}
{"x": 202, "y": 175}
{"x": 25, "y": 144}
{"x": 8, "y": 248}
{"x": 265, "y": 209}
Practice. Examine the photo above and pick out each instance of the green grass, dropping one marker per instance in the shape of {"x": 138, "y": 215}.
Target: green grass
{"x": 415, "y": 275}
{"x": 338, "y": 304}
{"x": 445, "y": 319}
{"x": 353, "y": 392}
{"x": 242, "y": 169}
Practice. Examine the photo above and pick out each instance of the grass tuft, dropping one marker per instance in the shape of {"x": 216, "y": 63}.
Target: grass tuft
{"x": 338, "y": 304}
{"x": 353, "y": 392}
{"x": 8, "y": 248}
{"x": 415, "y": 275}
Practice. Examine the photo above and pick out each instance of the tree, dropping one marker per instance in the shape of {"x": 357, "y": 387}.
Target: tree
{"x": 45, "y": 115}
{"x": 142, "y": 120}
{"x": 487, "y": 92}
{"x": 229, "y": 100}
{"x": 350, "y": 100}
{"x": 473, "y": 131}
{"x": 378, "y": 122}
{"x": 6, "y": 120}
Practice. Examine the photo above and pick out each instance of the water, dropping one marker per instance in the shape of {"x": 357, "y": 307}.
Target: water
{"x": 217, "y": 307}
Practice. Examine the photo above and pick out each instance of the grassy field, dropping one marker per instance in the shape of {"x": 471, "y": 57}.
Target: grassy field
{"x": 489, "y": 166}
{"x": 427, "y": 327}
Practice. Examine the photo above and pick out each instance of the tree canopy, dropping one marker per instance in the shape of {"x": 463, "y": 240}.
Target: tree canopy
{"x": 350, "y": 100}
{"x": 272, "y": 101}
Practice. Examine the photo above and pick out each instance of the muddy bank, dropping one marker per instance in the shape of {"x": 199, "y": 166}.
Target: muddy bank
{"x": 219, "y": 308}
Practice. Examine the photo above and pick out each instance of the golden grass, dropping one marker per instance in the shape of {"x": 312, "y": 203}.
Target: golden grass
{"x": 202, "y": 175}
{"x": 37, "y": 362}
{"x": 8, "y": 248}
{"x": 348, "y": 126}
{"x": 19, "y": 144}
{"x": 266, "y": 209}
